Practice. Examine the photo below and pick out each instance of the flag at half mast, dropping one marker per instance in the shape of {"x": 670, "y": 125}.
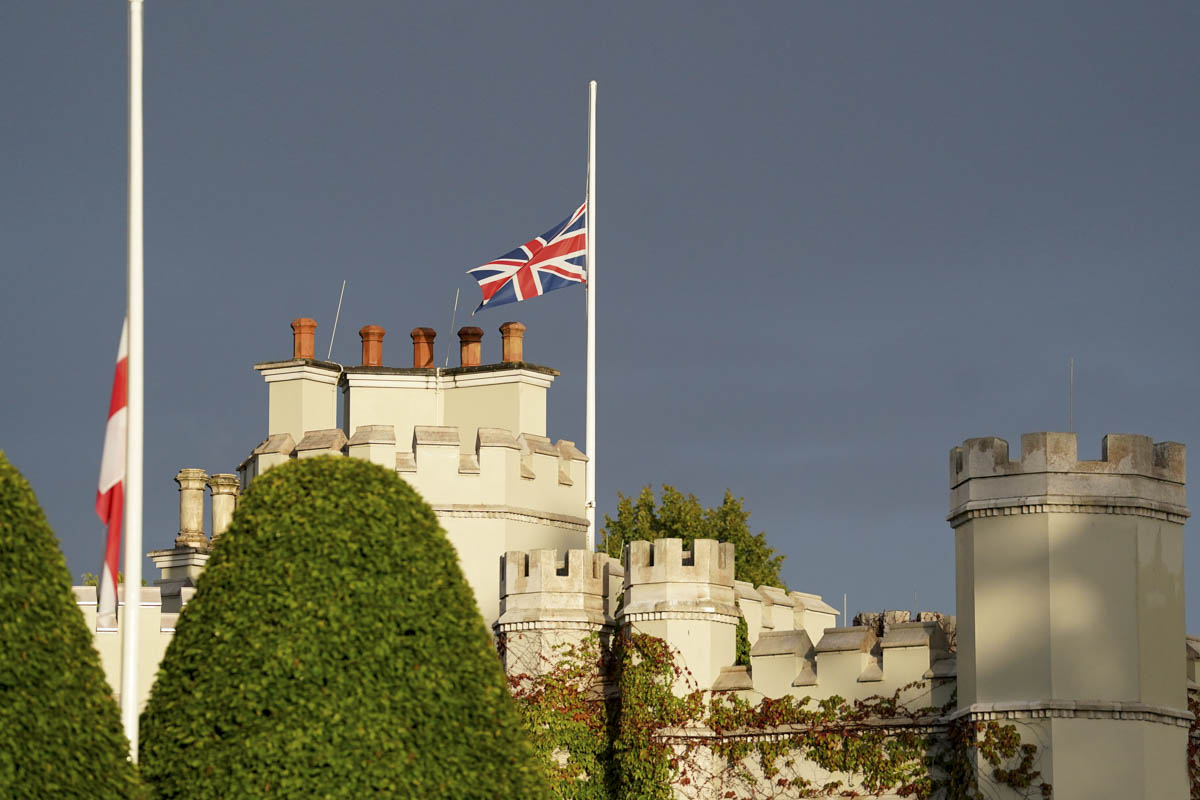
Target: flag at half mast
{"x": 548, "y": 262}
{"x": 110, "y": 499}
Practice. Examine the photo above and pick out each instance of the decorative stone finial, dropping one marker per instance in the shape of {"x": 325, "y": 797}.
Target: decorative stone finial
{"x": 372, "y": 345}
{"x": 470, "y": 345}
{"x": 423, "y": 347}
{"x": 513, "y": 343}
{"x": 303, "y": 336}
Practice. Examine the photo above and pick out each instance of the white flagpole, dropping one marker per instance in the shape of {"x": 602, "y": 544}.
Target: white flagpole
{"x": 136, "y": 408}
{"x": 590, "y": 242}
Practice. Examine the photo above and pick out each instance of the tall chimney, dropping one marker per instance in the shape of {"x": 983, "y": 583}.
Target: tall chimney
{"x": 423, "y": 347}
{"x": 191, "y": 508}
{"x": 225, "y": 488}
{"x": 513, "y": 342}
{"x": 372, "y": 345}
{"x": 303, "y": 334}
{"x": 470, "y": 345}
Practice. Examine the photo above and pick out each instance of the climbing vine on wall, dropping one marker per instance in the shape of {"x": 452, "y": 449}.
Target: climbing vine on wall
{"x": 612, "y": 723}
{"x": 1193, "y": 747}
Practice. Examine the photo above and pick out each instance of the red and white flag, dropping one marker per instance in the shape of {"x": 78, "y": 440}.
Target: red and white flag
{"x": 110, "y": 493}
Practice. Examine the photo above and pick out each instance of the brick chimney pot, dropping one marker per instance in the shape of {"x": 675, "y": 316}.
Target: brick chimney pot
{"x": 372, "y": 345}
{"x": 470, "y": 345}
{"x": 513, "y": 343}
{"x": 423, "y": 347}
{"x": 303, "y": 334}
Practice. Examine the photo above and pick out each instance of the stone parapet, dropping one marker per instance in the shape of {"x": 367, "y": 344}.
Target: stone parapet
{"x": 1133, "y": 476}
{"x": 326, "y": 442}
{"x": 525, "y": 475}
{"x": 539, "y": 587}
{"x": 781, "y": 660}
{"x": 852, "y": 652}
{"x": 374, "y": 443}
{"x": 661, "y": 577}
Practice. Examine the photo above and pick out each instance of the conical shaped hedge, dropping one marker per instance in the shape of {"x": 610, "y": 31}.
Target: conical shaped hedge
{"x": 333, "y": 649}
{"x": 60, "y": 731}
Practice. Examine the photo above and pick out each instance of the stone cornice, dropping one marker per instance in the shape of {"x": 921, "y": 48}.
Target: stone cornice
{"x": 1070, "y": 709}
{"x": 1058, "y": 504}
{"x": 549, "y": 625}
{"x": 648, "y": 616}
{"x": 514, "y": 513}
{"x": 299, "y": 369}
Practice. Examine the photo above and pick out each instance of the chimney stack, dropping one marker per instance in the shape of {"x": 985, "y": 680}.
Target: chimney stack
{"x": 513, "y": 342}
{"x": 470, "y": 345}
{"x": 372, "y": 345}
{"x": 423, "y": 347}
{"x": 191, "y": 508}
{"x": 303, "y": 334}
{"x": 225, "y": 488}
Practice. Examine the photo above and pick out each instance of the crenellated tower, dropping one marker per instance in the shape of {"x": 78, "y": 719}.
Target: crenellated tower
{"x": 550, "y": 601}
{"x": 686, "y": 597}
{"x": 1070, "y": 602}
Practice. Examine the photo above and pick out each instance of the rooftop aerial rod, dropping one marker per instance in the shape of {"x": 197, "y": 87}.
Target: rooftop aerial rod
{"x": 135, "y": 394}
{"x": 453, "y": 317}
{"x": 336, "y": 317}
{"x": 1071, "y": 395}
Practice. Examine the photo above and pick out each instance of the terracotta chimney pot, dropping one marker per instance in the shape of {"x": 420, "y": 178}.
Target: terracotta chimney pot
{"x": 470, "y": 345}
{"x": 513, "y": 343}
{"x": 303, "y": 334}
{"x": 372, "y": 345}
{"x": 423, "y": 347}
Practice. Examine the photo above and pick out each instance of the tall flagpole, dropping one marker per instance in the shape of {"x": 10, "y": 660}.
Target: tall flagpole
{"x": 590, "y": 241}
{"x": 136, "y": 407}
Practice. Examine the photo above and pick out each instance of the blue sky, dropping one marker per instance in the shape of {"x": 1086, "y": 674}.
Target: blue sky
{"x": 836, "y": 239}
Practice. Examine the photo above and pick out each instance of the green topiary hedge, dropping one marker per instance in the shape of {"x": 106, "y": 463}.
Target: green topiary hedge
{"x": 333, "y": 649}
{"x": 60, "y": 731}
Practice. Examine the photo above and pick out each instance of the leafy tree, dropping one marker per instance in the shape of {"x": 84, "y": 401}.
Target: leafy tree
{"x": 333, "y": 649}
{"x": 92, "y": 579}
{"x": 682, "y": 516}
{"x": 60, "y": 731}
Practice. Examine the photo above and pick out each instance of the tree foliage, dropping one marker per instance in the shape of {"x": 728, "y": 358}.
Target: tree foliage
{"x": 60, "y": 730}
{"x": 333, "y": 649}
{"x": 682, "y": 516}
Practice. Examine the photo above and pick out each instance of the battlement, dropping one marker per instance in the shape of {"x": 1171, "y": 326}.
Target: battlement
{"x": 689, "y": 599}
{"x": 1134, "y": 475}
{"x": 543, "y": 571}
{"x": 540, "y": 590}
{"x": 547, "y": 602}
{"x": 1120, "y": 454}
{"x": 526, "y": 472}
{"x": 665, "y": 561}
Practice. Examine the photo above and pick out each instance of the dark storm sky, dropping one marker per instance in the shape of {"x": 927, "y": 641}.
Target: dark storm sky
{"x": 835, "y": 239}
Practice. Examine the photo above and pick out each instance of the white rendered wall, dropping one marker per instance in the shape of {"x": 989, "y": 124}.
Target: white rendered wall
{"x": 157, "y": 629}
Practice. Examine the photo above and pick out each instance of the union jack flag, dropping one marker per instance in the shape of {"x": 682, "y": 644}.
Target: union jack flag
{"x": 551, "y": 261}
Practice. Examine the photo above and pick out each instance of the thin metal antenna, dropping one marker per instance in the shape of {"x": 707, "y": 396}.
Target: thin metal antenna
{"x": 1071, "y": 395}
{"x": 453, "y": 315}
{"x": 844, "y": 622}
{"x": 336, "y": 317}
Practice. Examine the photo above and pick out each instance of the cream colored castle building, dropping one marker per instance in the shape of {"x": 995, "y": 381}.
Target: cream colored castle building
{"x": 1070, "y": 582}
